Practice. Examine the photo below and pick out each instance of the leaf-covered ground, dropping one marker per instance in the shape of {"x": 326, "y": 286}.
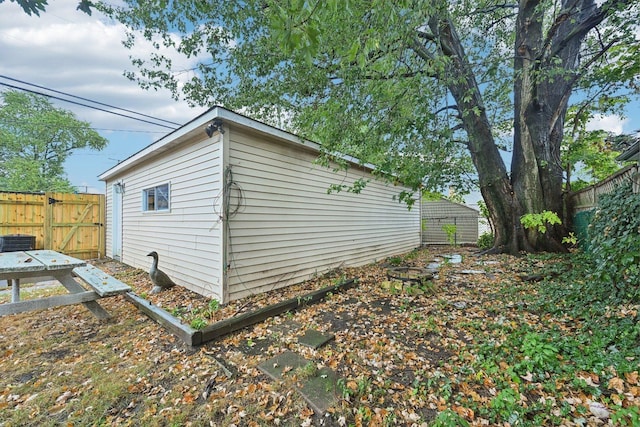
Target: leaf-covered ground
{"x": 476, "y": 346}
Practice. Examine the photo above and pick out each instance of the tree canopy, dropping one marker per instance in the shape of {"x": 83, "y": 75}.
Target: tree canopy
{"x": 422, "y": 89}
{"x": 34, "y": 7}
{"x": 35, "y": 140}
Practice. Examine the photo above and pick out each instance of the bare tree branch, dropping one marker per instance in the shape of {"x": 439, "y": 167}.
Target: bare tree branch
{"x": 582, "y": 28}
{"x": 576, "y": 76}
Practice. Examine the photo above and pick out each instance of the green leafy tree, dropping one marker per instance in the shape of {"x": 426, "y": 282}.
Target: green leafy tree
{"x": 34, "y": 7}
{"x": 594, "y": 156}
{"x": 593, "y": 153}
{"x": 422, "y": 89}
{"x": 35, "y": 140}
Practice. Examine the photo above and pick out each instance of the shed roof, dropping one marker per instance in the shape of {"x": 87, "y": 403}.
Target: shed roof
{"x": 199, "y": 124}
{"x": 630, "y": 152}
{"x": 454, "y": 205}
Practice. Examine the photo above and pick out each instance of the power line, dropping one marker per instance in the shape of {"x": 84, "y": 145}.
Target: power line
{"x": 84, "y": 105}
{"x": 86, "y": 99}
{"x": 14, "y": 122}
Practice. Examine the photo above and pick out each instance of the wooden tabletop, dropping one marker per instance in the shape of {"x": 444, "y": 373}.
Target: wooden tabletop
{"x": 22, "y": 262}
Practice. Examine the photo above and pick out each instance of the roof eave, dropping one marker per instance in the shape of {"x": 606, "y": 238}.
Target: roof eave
{"x": 198, "y": 125}
{"x": 629, "y": 153}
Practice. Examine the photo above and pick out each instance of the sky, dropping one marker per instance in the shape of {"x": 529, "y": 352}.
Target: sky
{"x": 69, "y": 51}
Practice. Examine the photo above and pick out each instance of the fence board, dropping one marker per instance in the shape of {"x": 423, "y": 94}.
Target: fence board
{"x": 587, "y": 198}
{"x": 22, "y": 213}
{"x": 69, "y": 223}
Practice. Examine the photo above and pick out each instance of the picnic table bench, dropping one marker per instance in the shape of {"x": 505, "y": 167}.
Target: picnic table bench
{"x": 15, "y": 266}
{"x": 103, "y": 284}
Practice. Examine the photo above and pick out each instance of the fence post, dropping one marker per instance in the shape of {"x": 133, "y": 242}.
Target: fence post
{"x": 455, "y": 236}
{"x": 48, "y": 220}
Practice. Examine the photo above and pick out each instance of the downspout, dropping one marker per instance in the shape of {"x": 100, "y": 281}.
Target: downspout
{"x": 216, "y": 128}
{"x": 421, "y": 231}
{"x": 225, "y": 224}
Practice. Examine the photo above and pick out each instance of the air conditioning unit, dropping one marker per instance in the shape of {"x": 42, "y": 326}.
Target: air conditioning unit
{"x": 17, "y": 242}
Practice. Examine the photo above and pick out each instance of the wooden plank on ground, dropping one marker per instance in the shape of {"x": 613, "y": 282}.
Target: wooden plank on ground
{"x": 49, "y": 302}
{"x": 194, "y": 337}
{"x": 185, "y": 332}
{"x": 226, "y": 326}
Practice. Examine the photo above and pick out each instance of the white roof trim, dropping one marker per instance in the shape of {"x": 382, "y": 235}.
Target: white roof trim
{"x": 198, "y": 125}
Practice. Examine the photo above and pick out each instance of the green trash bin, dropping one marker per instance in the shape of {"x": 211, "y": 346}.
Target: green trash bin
{"x": 581, "y": 221}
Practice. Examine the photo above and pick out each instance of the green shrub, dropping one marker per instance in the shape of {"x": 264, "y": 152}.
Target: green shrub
{"x": 540, "y": 355}
{"x": 450, "y": 230}
{"x": 485, "y": 241}
{"x": 198, "y": 323}
{"x": 614, "y": 235}
{"x": 448, "y": 418}
{"x": 506, "y": 404}
{"x": 627, "y": 416}
{"x": 539, "y": 221}
{"x": 395, "y": 261}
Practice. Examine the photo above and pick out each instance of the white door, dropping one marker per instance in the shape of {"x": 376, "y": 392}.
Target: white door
{"x": 116, "y": 215}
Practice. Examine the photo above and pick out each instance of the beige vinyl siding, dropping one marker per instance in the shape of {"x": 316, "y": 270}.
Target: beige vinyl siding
{"x": 288, "y": 228}
{"x": 187, "y": 237}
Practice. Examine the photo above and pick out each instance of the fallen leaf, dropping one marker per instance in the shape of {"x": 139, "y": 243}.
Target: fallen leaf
{"x": 616, "y": 384}
{"x": 599, "y": 410}
{"x": 632, "y": 378}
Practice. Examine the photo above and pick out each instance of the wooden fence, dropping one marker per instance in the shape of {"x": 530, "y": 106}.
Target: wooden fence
{"x": 69, "y": 223}
{"x": 587, "y": 198}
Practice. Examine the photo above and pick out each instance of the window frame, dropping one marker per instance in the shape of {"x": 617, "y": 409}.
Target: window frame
{"x": 153, "y": 192}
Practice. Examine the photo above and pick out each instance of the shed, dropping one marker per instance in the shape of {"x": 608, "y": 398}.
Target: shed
{"x": 632, "y": 153}
{"x": 443, "y": 219}
{"x": 236, "y": 207}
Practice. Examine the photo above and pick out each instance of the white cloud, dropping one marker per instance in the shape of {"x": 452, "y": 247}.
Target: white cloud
{"x": 69, "y": 51}
{"x": 613, "y": 124}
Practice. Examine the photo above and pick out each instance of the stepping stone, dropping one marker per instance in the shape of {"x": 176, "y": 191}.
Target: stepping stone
{"x": 453, "y": 258}
{"x": 433, "y": 266}
{"x": 320, "y": 391}
{"x": 286, "y": 327}
{"x": 315, "y": 339}
{"x": 226, "y": 371}
{"x": 317, "y": 390}
{"x": 285, "y": 362}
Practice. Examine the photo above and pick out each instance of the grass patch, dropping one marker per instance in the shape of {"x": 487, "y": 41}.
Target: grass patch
{"x": 31, "y": 291}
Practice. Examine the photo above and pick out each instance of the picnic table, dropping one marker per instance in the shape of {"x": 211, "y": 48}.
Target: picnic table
{"x": 16, "y": 266}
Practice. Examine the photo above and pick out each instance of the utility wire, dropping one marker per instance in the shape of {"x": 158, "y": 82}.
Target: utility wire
{"x": 16, "y": 122}
{"x": 84, "y": 105}
{"x": 86, "y": 99}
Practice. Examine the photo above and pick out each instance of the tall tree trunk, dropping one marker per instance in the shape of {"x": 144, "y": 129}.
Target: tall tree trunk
{"x": 495, "y": 185}
{"x": 544, "y": 69}
{"x": 536, "y": 179}
{"x": 545, "y": 64}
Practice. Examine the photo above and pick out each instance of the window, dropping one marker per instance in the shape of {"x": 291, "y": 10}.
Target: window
{"x": 156, "y": 198}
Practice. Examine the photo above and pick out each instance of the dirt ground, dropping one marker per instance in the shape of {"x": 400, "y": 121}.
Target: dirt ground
{"x": 394, "y": 351}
